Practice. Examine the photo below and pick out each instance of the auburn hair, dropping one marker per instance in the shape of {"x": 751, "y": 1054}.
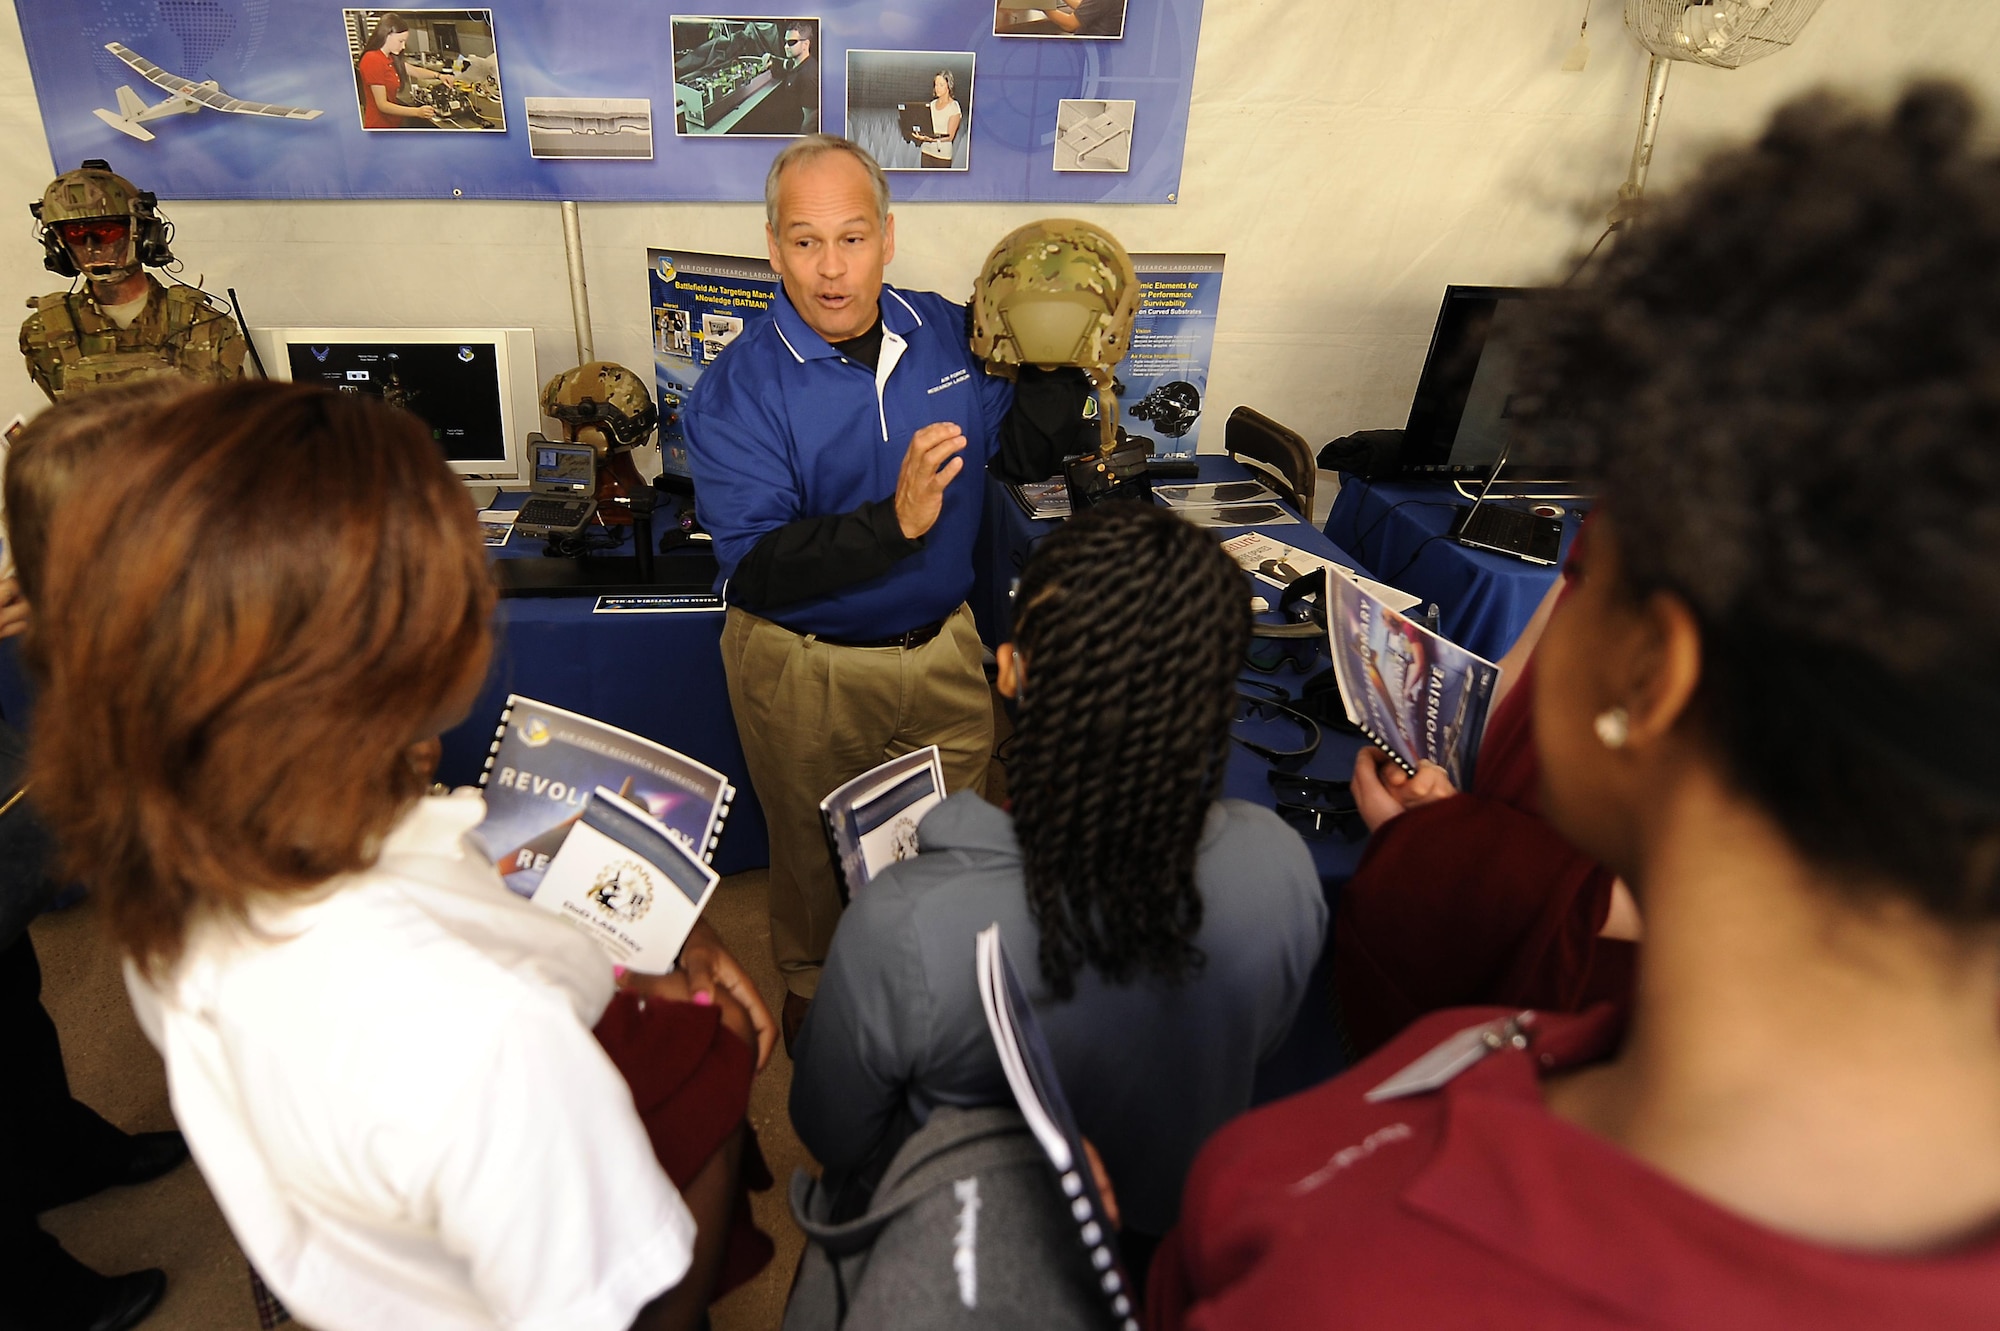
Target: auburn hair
{"x": 54, "y": 445}
{"x": 250, "y": 613}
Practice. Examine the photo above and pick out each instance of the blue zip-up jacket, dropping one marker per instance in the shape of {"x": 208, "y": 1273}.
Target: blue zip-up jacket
{"x": 784, "y": 427}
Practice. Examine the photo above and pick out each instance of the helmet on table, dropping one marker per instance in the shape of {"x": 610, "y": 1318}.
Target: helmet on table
{"x": 601, "y": 403}
{"x": 94, "y": 193}
{"x": 1057, "y": 292}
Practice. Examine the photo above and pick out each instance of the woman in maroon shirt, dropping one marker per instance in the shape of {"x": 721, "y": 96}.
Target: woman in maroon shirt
{"x": 1769, "y": 704}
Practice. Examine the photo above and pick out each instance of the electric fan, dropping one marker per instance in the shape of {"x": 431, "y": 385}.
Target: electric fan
{"x": 1724, "y": 34}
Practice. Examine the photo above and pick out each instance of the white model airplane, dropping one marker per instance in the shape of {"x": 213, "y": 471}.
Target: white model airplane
{"x": 185, "y": 98}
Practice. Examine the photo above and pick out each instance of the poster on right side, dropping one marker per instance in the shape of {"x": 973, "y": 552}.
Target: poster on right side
{"x": 1163, "y": 379}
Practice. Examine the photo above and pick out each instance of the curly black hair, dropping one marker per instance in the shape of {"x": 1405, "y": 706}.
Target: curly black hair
{"x": 1133, "y": 624}
{"x": 1787, "y": 381}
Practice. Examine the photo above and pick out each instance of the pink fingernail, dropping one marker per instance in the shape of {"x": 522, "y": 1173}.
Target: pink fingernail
{"x": 617, "y": 972}
{"x": 703, "y": 998}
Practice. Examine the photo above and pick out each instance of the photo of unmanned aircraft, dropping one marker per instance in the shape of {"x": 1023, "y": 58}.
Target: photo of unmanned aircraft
{"x": 185, "y": 97}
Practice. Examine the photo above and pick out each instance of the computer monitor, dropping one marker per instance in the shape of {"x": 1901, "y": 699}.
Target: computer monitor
{"x": 1462, "y": 417}
{"x": 569, "y": 468}
{"x": 475, "y": 387}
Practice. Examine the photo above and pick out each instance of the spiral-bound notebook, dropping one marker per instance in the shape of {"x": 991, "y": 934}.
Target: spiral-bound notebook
{"x": 1417, "y": 695}
{"x": 1031, "y": 1075}
{"x": 545, "y": 762}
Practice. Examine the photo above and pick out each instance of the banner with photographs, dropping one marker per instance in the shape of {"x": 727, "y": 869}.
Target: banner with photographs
{"x": 1075, "y": 102}
{"x": 700, "y": 303}
{"x": 1164, "y": 376}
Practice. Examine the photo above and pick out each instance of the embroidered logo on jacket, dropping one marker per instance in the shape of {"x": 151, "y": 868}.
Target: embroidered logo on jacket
{"x": 952, "y": 380}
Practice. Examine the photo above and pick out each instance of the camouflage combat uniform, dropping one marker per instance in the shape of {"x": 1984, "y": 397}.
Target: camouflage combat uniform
{"x": 72, "y": 346}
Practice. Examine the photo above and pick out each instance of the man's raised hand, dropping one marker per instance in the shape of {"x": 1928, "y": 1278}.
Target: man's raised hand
{"x": 928, "y": 467}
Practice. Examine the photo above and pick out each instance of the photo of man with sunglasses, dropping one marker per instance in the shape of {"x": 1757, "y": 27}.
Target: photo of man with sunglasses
{"x": 121, "y": 323}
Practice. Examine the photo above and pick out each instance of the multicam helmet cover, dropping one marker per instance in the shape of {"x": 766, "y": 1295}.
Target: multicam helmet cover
{"x": 87, "y": 192}
{"x": 1057, "y": 292}
{"x": 601, "y": 403}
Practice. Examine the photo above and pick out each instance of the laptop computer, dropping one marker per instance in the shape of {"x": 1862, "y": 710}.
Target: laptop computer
{"x": 1504, "y": 530}
{"x": 1463, "y": 418}
{"x": 913, "y": 120}
{"x": 562, "y": 492}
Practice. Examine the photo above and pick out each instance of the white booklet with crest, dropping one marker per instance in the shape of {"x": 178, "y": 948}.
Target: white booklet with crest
{"x": 871, "y": 821}
{"x": 624, "y": 878}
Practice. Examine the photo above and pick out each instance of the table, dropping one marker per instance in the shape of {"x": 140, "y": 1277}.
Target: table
{"x": 1312, "y": 1052}
{"x": 1401, "y": 529}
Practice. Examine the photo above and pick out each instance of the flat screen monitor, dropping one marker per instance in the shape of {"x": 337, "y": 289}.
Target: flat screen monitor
{"x": 1463, "y": 414}
{"x": 475, "y": 388}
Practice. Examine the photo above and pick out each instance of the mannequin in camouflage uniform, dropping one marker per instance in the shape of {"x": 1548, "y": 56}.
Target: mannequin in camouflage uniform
{"x": 123, "y": 323}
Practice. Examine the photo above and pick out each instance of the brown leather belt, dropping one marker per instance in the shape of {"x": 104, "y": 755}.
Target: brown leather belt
{"x": 915, "y": 637}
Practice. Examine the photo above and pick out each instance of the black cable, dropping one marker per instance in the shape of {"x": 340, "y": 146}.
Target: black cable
{"x": 236, "y": 308}
{"x": 1390, "y": 578}
{"x": 1584, "y": 262}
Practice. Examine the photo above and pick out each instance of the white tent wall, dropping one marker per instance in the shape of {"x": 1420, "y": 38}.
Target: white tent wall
{"x": 1351, "y": 157}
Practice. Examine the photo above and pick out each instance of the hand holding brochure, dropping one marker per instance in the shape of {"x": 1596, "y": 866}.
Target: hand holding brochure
{"x": 626, "y": 879}
{"x": 1412, "y": 692}
{"x": 871, "y": 821}
{"x": 1031, "y": 1075}
{"x": 545, "y": 762}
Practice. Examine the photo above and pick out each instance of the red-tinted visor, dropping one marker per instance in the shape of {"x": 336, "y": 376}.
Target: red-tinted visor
{"x": 100, "y": 232}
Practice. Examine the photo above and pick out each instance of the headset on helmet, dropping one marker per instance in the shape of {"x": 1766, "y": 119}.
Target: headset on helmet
{"x": 604, "y": 394}
{"x": 94, "y": 190}
{"x": 1057, "y": 292}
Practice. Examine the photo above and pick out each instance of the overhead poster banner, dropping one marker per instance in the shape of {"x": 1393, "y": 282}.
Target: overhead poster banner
{"x": 1085, "y": 102}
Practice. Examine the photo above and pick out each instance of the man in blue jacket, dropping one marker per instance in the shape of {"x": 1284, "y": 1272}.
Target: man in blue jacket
{"x": 838, "y": 449}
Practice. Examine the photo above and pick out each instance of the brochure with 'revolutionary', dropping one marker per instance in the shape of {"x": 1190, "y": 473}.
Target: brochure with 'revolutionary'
{"x": 545, "y": 762}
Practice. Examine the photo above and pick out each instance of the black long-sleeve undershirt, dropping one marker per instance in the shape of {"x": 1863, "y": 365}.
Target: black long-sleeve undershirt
{"x": 815, "y": 557}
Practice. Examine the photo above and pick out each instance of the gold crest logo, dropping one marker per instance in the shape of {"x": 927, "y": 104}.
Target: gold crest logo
{"x": 623, "y": 891}
{"x": 534, "y": 732}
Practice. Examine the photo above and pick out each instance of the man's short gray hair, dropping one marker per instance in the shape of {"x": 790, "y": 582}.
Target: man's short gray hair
{"x": 804, "y": 149}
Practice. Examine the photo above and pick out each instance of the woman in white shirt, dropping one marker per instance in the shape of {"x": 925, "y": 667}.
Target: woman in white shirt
{"x": 934, "y": 150}
{"x": 383, "y": 1061}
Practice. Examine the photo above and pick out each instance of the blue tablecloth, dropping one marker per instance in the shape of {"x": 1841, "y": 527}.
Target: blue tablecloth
{"x": 1401, "y": 530}
{"x": 1312, "y": 1052}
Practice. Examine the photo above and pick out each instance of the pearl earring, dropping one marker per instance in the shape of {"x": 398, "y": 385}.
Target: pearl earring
{"x": 1613, "y": 727}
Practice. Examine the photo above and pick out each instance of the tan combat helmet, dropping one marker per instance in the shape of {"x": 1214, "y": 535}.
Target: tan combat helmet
{"x": 1057, "y": 292}
{"x": 95, "y": 192}
{"x": 601, "y": 403}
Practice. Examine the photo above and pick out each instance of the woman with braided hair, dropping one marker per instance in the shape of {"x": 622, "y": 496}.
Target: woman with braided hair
{"x": 1166, "y": 936}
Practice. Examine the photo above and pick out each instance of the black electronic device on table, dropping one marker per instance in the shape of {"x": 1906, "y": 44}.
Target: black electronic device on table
{"x": 1504, "y": 530}
{"x": 1463, "y": 416}
{"x": 562, "y": 492}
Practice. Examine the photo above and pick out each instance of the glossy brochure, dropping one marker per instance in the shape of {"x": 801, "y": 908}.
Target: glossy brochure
{"x": 544, "y": 763}
{"x": 1417, "y": 695}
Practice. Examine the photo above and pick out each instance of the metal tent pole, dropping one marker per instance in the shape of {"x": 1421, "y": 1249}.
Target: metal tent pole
{"x": 579, "y": 291}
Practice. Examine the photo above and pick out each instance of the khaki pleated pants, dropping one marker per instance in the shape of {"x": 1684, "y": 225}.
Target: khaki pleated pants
{"x": 811, "y": 716}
